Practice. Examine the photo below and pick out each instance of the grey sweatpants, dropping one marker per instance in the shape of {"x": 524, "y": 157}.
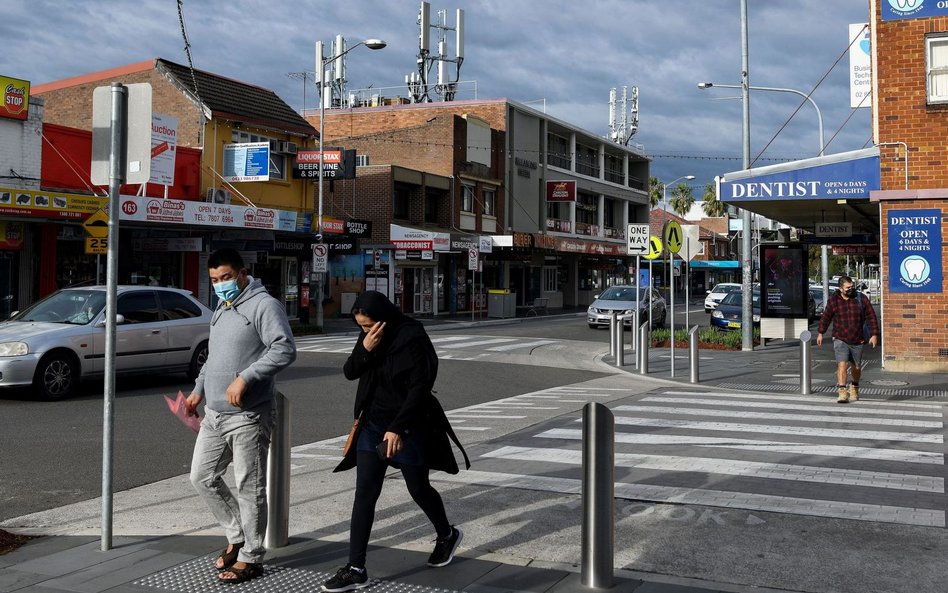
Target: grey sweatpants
{"x": 244, "y": 440}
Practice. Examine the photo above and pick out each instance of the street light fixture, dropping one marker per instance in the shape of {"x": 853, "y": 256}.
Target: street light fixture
{"x": 665, "y": 187}
{"x": 819, "y": 116}
{"x": 321, "y": 64}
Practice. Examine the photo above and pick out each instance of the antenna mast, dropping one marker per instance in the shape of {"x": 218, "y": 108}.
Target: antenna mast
{"x": 417, "y": 82}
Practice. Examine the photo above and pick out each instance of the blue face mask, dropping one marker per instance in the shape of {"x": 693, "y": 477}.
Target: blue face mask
{"x": 227, "y": 290}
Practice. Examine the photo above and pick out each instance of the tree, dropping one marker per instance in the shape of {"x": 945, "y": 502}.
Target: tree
{"x": 711, "y": 205}
{"x": 681, "y": 199}
{"x": 655, "y": 189}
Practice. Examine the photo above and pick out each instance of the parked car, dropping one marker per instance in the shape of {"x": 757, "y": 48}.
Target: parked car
{"x": 728, "y": 314}
{"x": 621, "y": 299}
{"x": 816, "y": 293}
{"x": 717, "y": 294}
{"x": 59, "y": 341}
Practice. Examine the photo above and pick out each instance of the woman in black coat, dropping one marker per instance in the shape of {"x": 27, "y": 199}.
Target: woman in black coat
{"x": 401, "y": 424}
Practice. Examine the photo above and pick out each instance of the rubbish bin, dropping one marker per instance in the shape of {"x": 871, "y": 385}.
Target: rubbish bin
{"x": 501, "y": 303}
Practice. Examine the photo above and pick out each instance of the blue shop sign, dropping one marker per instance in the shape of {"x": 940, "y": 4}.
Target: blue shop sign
{"x": 893, "y": 10}
{"x": 851, "y": 180}
{"x": 914, "y": 250}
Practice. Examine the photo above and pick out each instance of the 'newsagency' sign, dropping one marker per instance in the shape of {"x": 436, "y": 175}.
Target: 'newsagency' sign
{"x": 914, "y": 250}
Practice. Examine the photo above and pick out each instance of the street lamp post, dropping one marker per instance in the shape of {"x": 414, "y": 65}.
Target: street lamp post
{"x": 671, "y": 276}
{"x": 321, "y": 63}
{"x": 819, "y": 115}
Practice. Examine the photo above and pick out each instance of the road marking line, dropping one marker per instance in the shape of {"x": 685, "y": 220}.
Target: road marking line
{"x": 480, "y": 343}
{"x": 805, "y": 398}
{"x": 786, "y": 406}
{"x": 825, "y": 418}
{"x": 898, "y": 455}
{"x": 521, "y": 345}
{"x": 733, "y": 467}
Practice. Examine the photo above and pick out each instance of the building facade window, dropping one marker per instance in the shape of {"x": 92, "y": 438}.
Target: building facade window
{"x": 614, "y": 169}
{"x": 587, "y": 160}
{"x": 400, "y": 203}
{"x": 431, "y": 207}
{"x": 488, "y": 197}
{"x": 936, "y": 66}
{"x": 550, "y": 279}
{"x": 557, "y": 151}
{"x": 467, "y": 198}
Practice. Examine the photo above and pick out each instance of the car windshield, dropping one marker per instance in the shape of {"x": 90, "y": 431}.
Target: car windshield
{"x": 622, "y": 293}
{"x": 726, "y": 288}
{"x": 735, "y": 299}
{"x": 77, "y": 307}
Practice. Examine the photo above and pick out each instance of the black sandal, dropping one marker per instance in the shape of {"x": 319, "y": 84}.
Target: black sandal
{"x": 228, "y": 557}
{"x": 242, "y": 575}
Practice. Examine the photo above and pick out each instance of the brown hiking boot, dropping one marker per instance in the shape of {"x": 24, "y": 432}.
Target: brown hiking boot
{"x": 853, "y": 392}
{"x": 843, "y": 395}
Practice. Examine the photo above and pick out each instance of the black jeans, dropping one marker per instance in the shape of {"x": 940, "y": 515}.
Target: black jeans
{"x": 370, "y": 473}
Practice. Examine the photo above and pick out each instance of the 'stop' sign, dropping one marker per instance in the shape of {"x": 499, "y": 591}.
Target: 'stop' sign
{"x": 16, "y": 98}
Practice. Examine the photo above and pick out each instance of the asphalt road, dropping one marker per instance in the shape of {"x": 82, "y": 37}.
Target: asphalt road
{"x": 51, "y": 452}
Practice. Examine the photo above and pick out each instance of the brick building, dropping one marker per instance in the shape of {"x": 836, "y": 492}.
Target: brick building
{"x": 492, "y": 161}
{"x": 910, "y": 110}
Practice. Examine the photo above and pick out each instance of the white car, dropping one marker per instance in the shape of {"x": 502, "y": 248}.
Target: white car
{"x": 717, "y": 294}
{"x": 60, "y": 340}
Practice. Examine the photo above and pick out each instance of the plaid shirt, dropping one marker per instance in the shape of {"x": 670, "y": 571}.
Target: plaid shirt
{"x": 848, "y": 317}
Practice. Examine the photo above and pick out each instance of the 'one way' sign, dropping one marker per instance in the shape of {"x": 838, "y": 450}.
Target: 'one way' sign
{"x": 638, "y": 239}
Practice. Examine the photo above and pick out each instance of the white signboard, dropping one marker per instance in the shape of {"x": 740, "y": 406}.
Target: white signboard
{"x": 860, "y": 66}
{"x": 248, "y": 161}
{"x": 638, "y": 239}
{"x": 204, "y": 213}
{"x": 439, "y": 241}
{"x": 472, "y": 258}
{"x": 164, "y": 133}
{"x": 486, "y": 244}
{"x": 692, "y": 245}
{"x": 320, "y": 258}
{"x": 137, "y": 130}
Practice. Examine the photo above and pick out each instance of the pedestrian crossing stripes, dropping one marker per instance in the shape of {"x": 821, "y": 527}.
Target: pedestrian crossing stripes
{"x": 877, "y": 461}
{"x": 446, "y": 346}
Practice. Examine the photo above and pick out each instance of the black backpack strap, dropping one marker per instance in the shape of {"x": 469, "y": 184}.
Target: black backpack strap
{"x": 454, "y": 437}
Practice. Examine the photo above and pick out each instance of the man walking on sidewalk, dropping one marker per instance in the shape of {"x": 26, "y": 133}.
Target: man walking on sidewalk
{"x": 849, "y": 311}
{"x": 250, "y": 343}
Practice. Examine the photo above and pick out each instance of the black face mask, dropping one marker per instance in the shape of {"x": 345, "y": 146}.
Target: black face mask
{"x": 850, "y": 293}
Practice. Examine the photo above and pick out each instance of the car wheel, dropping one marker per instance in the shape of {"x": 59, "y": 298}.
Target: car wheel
{"x": 56, "y": 376}
{"x": 197, "y": 360}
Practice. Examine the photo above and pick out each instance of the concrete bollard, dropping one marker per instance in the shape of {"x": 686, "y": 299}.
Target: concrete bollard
{"x": 806, "y": 363}
{"x": 598, "y": 539}
{"x": 278, "y": 478}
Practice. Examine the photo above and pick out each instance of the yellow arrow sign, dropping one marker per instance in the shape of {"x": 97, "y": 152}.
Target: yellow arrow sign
{"x": 97, "y": 225}
{"x": 673, "y": 236}
{"x": 654, "y": 247}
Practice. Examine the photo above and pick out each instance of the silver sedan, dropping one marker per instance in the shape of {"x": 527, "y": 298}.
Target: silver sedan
{"x": 59, "y": 341}
{"x": 622, "y": 300}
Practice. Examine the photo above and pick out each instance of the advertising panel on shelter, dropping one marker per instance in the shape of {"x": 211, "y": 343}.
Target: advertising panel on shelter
{"x": 784, "y": 281}
{"x": 914, "y": 250}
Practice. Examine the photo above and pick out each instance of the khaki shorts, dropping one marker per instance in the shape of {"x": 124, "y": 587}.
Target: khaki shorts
{"x": 847, "y": 352}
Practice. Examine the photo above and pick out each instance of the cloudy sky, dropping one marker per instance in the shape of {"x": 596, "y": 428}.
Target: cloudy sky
{"x": 560, "y": 55}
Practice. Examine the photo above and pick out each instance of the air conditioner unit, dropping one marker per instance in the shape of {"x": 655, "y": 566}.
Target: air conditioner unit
{"x": 288, "y": 147}
{"x": 218, "y": 195}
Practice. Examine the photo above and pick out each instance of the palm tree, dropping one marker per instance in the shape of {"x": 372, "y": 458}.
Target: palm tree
{"x": 711, "y": 205}
{"x": 655, "y": 189}
{"x": 681, "y": 199}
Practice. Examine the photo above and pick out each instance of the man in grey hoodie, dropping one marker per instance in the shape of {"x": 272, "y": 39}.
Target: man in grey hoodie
{"x": 250, "y": 343}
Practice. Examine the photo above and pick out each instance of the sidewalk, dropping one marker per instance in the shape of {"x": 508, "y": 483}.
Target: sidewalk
{"x": 165, "y": 540}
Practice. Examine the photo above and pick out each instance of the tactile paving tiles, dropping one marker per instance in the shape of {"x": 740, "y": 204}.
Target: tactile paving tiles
{"x": 199, "y": 576}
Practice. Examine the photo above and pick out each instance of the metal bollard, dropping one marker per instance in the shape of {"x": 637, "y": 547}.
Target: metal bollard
{"x": 598, "y": 547}
{"x": 278, "y": 478}
{"x": 644, "y": 340}
{"x": 806, "y": 382}
{"x": 635, "y": 333}
{"x": 612, "y": 333}
{"x": 693, "y": 353}
{"x": 620, "y": 340}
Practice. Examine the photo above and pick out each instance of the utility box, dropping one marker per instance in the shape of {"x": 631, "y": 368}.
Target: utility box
{"x": 501, "y": 303}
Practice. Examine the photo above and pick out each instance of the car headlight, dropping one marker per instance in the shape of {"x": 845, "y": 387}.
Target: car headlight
{"x": 628, "y": 312}
{"x": 14, "y": 349}
{"x": 756, "y": 318}
{"x": 717, "y": 314}
{"x": 590, "y": 309}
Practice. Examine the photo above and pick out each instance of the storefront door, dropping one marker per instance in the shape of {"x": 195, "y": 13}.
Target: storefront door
{"x": 422, "y": 283}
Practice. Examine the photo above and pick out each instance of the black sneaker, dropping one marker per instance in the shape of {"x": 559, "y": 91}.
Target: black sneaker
{"x": 347, "y": 578}
{"x": 445, "y": 548}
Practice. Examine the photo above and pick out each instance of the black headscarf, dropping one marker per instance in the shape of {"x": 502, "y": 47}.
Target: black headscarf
{"x": 398, "y": 326}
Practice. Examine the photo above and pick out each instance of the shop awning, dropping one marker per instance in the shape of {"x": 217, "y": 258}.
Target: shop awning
{"x": 713, "y": 264}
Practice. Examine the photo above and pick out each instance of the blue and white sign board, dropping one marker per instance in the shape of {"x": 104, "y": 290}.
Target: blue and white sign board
{"x": 893, "y": 10}
{"x": 851, "y": 180}
{"x": 914, "y": 250}
{"x": 249, "y": 161}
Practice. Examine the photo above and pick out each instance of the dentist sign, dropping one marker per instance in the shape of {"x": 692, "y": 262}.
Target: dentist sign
{"x": 914, "y": 250}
